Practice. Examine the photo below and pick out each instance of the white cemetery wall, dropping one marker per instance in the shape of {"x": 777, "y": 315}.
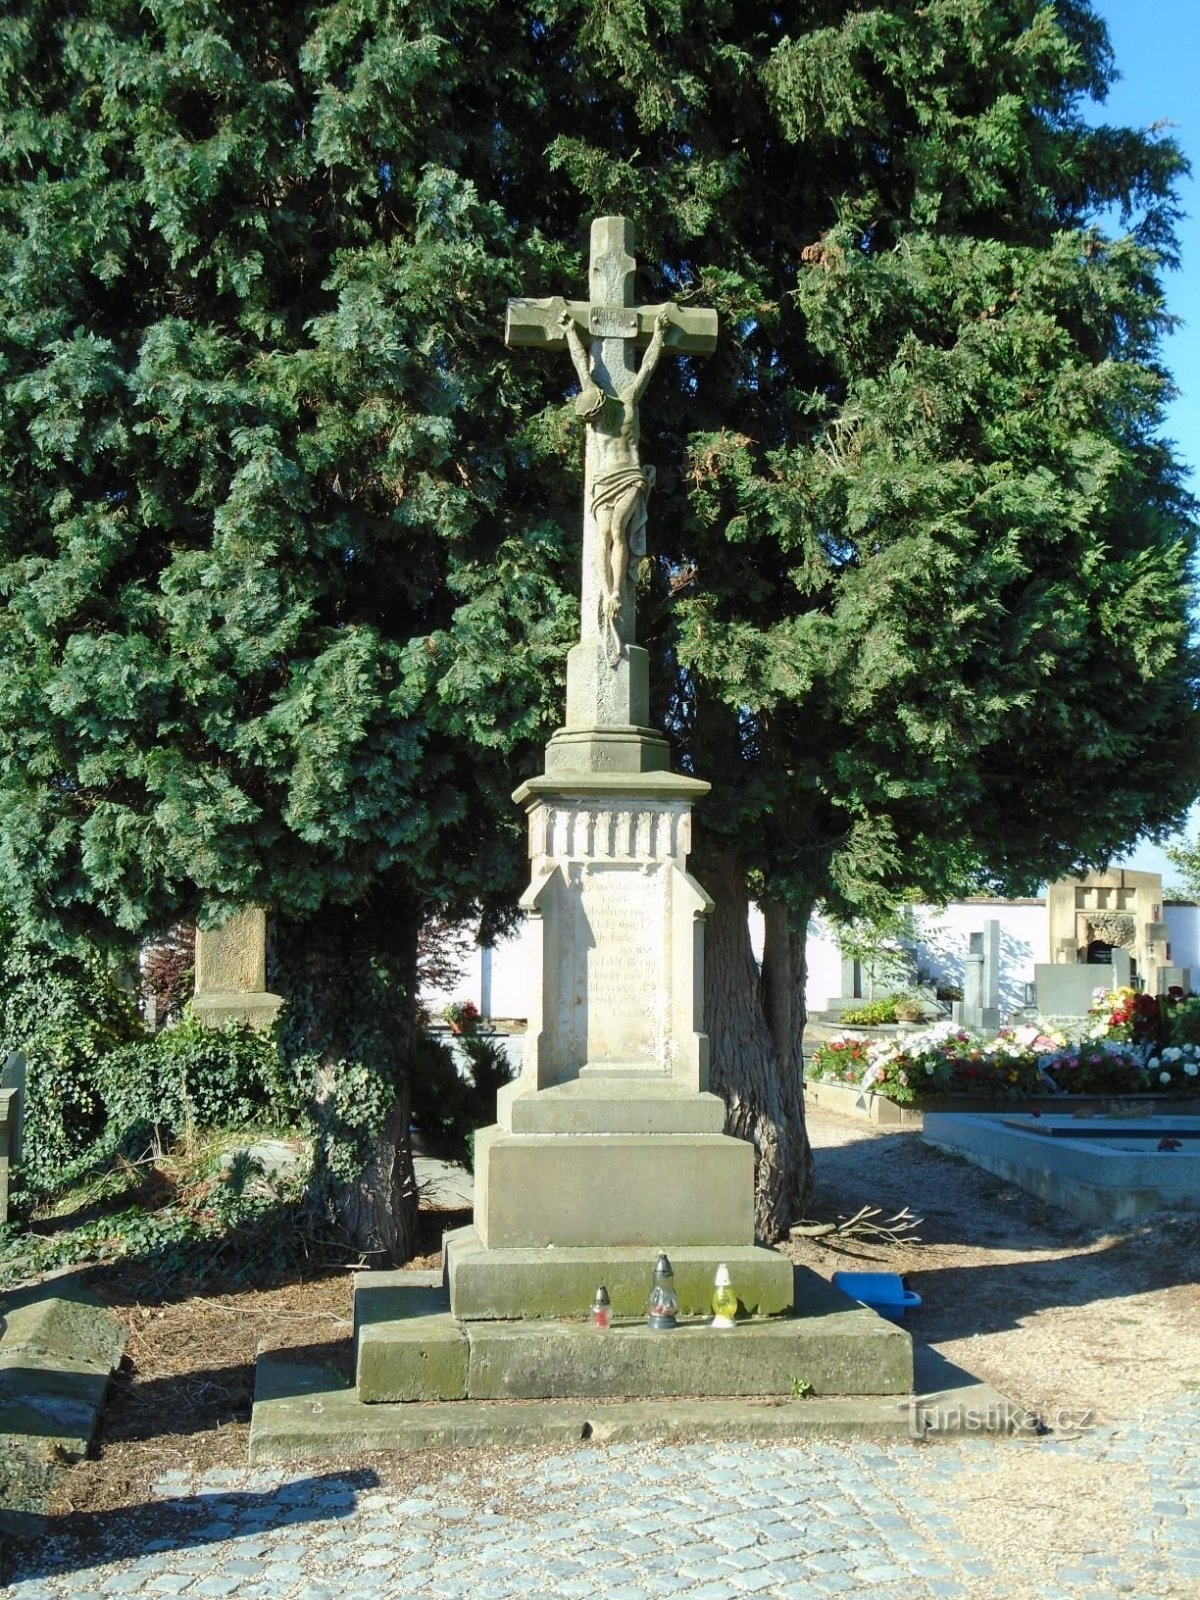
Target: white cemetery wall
{"x": 944, "y": 939}
{"x": 1183, "y": 922}
{"x": 494, "y": 980}
{"x": 824, "y": 965}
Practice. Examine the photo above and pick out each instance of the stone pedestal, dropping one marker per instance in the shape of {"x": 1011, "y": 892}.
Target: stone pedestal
{"x": 231, "y": 972}
{"x": 609, "y": 1145}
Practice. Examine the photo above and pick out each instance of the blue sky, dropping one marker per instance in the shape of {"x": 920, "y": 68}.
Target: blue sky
{"x": 1157, "y": 49}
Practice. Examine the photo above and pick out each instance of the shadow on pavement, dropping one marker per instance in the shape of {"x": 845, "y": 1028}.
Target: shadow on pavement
{"x": 76, "y": 1542}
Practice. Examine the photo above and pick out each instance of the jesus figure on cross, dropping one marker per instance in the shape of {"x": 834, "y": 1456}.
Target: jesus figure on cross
{"x": 620, "y": 485}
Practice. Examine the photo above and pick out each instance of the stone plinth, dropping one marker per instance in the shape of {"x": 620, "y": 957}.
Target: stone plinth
{"x": 498, "y": 1285}
{"x": 561, "y": 1190}
{"x": 610, "y": 1136}
{"x": 616, "y": 936}
{"x": 231, "y": 972}
{"x": 409, "y": 1347}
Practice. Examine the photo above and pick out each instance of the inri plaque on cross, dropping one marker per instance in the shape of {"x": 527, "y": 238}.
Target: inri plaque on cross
{"x": 616, "y": 483}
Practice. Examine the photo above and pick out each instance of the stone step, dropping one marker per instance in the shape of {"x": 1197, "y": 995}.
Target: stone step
{"x": 408, "y": 1347}
{"x": 497, "y": 1285}
{"x": 301, "y": 1413}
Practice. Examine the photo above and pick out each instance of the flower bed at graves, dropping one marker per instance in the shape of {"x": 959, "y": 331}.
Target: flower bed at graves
{"x": 1121, "y": 1048}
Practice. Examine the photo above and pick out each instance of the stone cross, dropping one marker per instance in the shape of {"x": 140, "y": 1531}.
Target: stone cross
{"x": 616, "y": 485}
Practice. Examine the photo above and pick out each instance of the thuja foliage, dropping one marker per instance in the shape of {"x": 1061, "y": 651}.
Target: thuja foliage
{"x": 286, "y": 536}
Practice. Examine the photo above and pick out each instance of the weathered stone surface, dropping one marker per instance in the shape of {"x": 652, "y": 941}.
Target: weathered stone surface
{"x": 231, "y": 972}
{"x": 51, "y": 1400}
{"x": 233, "y": 957}
{"x": 663, "y": 1190}
{"x": 834, "y": 1353}
{"x": 652, "y": 786}
{"x": 58, "y": 1347}
{"x": 497, "y": 1284}
{"x": 601, "y": 694}
{"x": 535, "y": 322}
{"x": 607, "y": 750}
{"x": 407, "y": 1345}
{"x": 596, "y": 1103}
{"x": 300, "y": 1416}
{"x": 60, "y": 1318}
{"x": 616, "y": 973}
{"x": 256, "y": 1010}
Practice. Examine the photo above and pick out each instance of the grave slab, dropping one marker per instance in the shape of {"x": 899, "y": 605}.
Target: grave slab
{"x": 1102, "y": 1170}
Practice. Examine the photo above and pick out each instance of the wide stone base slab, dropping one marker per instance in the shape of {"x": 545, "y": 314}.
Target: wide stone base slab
{"x": 656, "y": 1191}
{"x": 494, "y": 1285}
{"x": 301, "y": 1414}
{"x": 409, "y": 1348}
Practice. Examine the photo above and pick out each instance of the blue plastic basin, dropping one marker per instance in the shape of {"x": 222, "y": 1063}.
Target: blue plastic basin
{"x": 882, "y": 1291}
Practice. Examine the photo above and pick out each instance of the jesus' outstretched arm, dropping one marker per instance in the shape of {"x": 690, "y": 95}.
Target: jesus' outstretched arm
{"x": 579, "y": 356}
{"x": 650, "y": 360}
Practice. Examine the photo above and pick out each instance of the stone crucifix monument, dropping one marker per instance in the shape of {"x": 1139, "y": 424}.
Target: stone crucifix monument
{"x": 609, "y": 1147}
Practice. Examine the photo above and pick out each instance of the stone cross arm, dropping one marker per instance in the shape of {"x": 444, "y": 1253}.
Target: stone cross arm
{"x": 535, "y": 323}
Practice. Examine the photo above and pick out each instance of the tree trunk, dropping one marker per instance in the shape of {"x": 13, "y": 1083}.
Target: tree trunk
{"x": 754, "y": 1028}
{"x": 378, "y": 1209}
{"x": 782, "y": 985}
{"x": 349, "y": 977}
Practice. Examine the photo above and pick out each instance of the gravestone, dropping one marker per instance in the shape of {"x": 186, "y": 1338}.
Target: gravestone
{"x": 12, "y": 1115}
{"x": 231, "y": 972}
{"x": 979, "y": 1007}
{"x": 1111, "y": 922}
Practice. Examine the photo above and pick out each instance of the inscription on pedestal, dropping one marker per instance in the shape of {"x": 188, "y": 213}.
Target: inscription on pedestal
{"x": 620, "y": 938}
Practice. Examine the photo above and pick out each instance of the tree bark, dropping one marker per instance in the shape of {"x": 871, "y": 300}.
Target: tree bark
{"x": 754, "y": 1025}
{"x": 349, "y": 977}
{"x": 378, "y": 1210}
{"x": 782, "y": 986}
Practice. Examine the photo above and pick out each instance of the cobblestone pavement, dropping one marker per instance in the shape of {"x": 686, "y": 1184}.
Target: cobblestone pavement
{"x": 967, "y": 1518}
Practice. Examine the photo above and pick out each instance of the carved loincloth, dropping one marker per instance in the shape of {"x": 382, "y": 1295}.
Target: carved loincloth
{"x": 609, "y": 490}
